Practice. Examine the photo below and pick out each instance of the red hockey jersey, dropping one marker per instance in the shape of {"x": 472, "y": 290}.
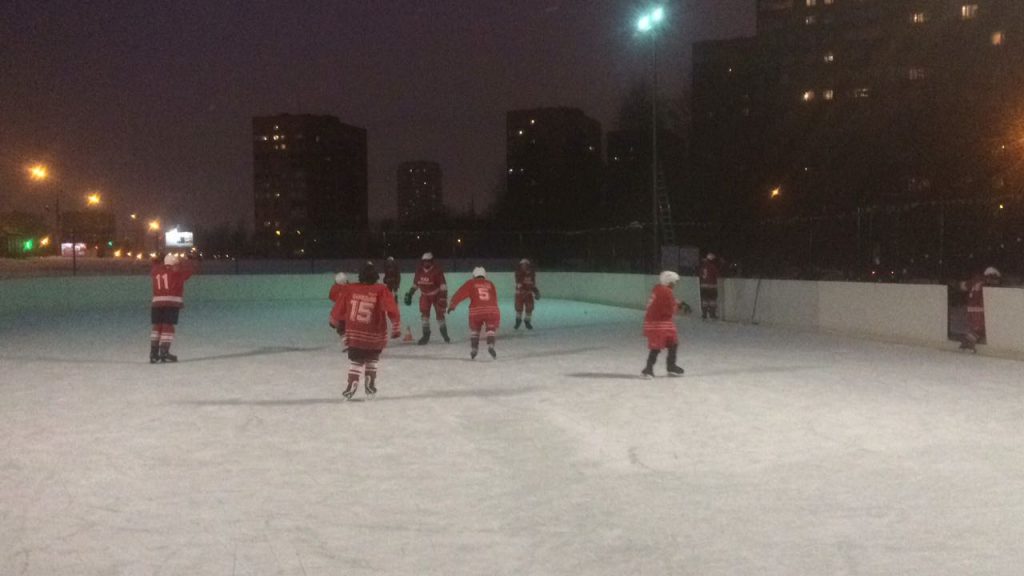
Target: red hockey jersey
{"x": 661, "y": 309}
{"x": 336, "y": 291}
{"x": 365, "y": 310}
{"x": 709, "y": 274}
{"x": 169, "y": 284}
{"x": 526, "y": 281}
{"x": 482, "y": 295}
{"x": 430, "y": 281}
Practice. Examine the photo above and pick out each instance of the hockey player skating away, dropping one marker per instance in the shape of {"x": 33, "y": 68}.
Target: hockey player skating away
{"x": 340, "y": 283}
{"x": 709, "y": 287}
{"x": 362, "y": 319}
{"x": 976, "y": 307}
{"x": 392, "y": 276}
{"x": 659, "y": 326}
{"x": 169, "y": 280}
{"x": 484, "y": 315}
{"x": 429, "y": 280}
{"x": 526, "y": 293}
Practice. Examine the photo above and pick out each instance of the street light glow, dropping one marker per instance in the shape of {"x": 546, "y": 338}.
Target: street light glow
{"x": 649, "y": 20}
{"x": 154, "y": 225}
{"x": 776, "y": 192}
{"x": 93, "y": 199}
{"x": 38, "y": 172}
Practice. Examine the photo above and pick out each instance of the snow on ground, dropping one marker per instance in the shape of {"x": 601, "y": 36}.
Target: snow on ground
{"x": 778, "y": 453}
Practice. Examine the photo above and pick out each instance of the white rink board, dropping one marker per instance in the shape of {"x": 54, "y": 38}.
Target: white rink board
{"x": 1004, "y": 319}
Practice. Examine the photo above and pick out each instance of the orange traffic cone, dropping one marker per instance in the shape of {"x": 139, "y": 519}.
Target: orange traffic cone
{"x": 408, "y": 334}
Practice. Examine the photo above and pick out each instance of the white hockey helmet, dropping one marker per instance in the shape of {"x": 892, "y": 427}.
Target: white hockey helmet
{"x": 992, "y": 271}
{"x": 171, "y": 260}
{"x": 667, "y": 278}
{"x": 479, "y": 272}
{"x": 427, "y": 256}
{"x": 710, "y": 256}
{"x": 524, "y": 262}
{"x": 340, "y": 278}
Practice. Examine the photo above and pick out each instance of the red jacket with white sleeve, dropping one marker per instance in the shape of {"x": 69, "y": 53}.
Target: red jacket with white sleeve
{"x": 169, "y": 284}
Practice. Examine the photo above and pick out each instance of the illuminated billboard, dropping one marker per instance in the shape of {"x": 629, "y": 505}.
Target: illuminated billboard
{"x": 178, "y": 239}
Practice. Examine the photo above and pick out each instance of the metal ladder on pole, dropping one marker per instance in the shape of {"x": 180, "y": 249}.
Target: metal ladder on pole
{"x": 668, "y": 233}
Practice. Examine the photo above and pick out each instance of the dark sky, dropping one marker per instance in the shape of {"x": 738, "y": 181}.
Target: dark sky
{"x": 151, "y": 101}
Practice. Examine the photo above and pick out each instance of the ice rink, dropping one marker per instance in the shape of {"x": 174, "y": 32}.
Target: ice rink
{"x": 778, "y": 453}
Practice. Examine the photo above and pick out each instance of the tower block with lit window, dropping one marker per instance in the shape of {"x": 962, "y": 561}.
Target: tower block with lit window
{"x": 309, "y": 184}
{"x": 862, "y": 104}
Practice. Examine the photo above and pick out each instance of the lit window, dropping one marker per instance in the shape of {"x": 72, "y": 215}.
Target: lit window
{"x": 811, "y": 20}
{"x": 916, "y": 74}
{"x": 862, "y": 93}
{"x": 811, "y": 3}
{"x": 998, "y": 38}
{"x": 829, "y": 58}
{"x": 829, "y": 2}
{"x": 918, "y": 18}
{"x": 968, "y": 11}
{"x": 828, "y": 94}
{"x": 808, "y": 96}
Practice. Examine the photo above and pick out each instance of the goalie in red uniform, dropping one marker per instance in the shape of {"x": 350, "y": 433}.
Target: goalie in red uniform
{"x": 484, "y": 315}
{"x": 362, "y": 319}
{"x": 429, "y": 280}
{"x": 660, "y": 326}
{"x": 526, "y": 293}
{"x": 168, "y": 299}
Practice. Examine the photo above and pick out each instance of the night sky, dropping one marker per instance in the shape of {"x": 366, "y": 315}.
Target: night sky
{"x": 151, "y": 102}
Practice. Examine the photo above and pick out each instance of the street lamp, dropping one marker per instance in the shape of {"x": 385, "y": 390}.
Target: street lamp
{"x": 93, "y": 199}
{"x": 41, "y": 173}
{"x": 154, "y": 227}
{"x": 648, "y": 23}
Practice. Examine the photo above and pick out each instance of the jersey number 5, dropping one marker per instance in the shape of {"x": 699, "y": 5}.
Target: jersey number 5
{"x": 162, "y": 282}
{"x": 361, "y": 311}
{"x": 483, "y": 293}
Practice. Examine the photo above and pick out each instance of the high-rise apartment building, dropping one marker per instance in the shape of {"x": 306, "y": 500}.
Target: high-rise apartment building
{"x": 310, "y": 183}
{"x": 419, "y": 192}
{"x": 553, "y": 168}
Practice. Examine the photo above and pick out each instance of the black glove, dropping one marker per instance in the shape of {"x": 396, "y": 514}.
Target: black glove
{"x": 536, "y": 294}
{"x": 408, "y": 298}
{"x": 685, "y": 308}
{"x": 396, "y": 333}
{"x": 340, "y": 328}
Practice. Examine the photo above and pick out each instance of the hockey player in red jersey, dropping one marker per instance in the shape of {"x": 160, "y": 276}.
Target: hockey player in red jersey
{"x": 392, "y": 276}
{"x": 526, "y": 293}
{"x": 976, "y": 307}
{"x": 659, "y": 326}
{"x": 429, "y": 280}
{"x": 362, "y": 317}
{"x": 709, "y": 287}
{"x": 168, "y": 280}
{"x": 484, "y": 315}
{"x": 340, "y": 282}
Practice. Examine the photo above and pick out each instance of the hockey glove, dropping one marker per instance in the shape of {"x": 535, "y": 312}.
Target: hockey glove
{"x": 340, "y": 328}
{"x": 450, "y": 309}
{"x": 396, "y": 333}
{"x": 536, "y": 294}
{"x": 685, "y": 308}
{"x": 408, "y": 298}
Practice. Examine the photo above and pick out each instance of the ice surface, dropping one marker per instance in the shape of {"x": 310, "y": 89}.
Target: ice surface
{"x": 778, "y": 453}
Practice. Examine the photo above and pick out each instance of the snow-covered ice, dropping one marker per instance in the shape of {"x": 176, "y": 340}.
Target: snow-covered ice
{"x": 779, "y": 452}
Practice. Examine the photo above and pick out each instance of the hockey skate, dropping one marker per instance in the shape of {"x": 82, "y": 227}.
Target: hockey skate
{"x": 473, "y": 352}
{"x": 529, "y": 326}
{"x": 490, "y": 350}
{"x": 519, "y": 322}
{"x": 351, "y": 390}
{"x": 371, "y": 386}
{"x": 165, "y": 354}
{"x": 674, "y": 370}
{"x": 670, "y": 363}
{"x": 425, "y": 338}
{"x": 444, "y": 334}
{"x": 647, "y": 373}
{"x": 154, "y": 353}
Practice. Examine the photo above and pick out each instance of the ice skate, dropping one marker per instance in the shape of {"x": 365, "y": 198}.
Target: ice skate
{"x": 519, "y": 322}
{"x": 529, "y": 326}
{"x": 154, "y": 353}
{"x": 425, "y": 338}
{"x": 371, "y": 387}
{"x": 165, "y": 354}
{"x": 647, "y": 373}
{"x": 350, "y": 390}
{"x": 490, "y": 350}
{"x": 472, "y": 353}
{"x": 674, "y": 370}
{"x": 444, "y": 334}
